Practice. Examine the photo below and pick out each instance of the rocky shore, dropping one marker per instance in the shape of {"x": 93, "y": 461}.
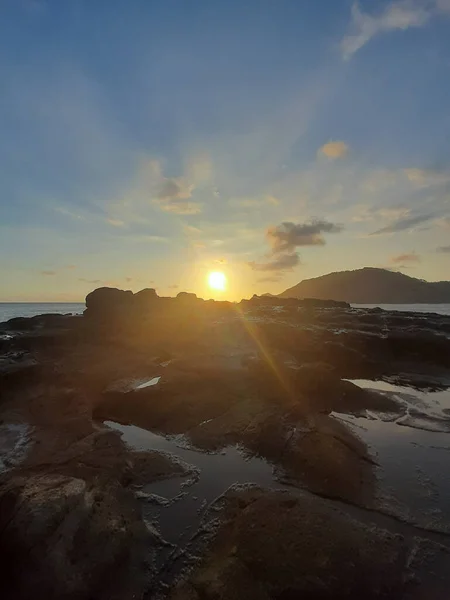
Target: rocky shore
{"x": 267, "y": 376}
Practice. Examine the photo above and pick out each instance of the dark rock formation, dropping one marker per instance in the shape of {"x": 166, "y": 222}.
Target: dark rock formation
{"x": 264, "y": 375}
{"x": 274, "y": 545}
{"x": 63, "y": 537}
{"x": 108, "y": 303}
{"x": 269, "y": 300}
{"x": 145, "y": 299}
{"x": 371, "y": 286}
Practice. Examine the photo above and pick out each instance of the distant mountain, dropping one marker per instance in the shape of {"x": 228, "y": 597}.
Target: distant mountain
{"x": 371, "y": 286}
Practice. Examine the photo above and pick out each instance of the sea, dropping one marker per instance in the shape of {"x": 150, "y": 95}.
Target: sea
{"x": 8, "y": 310}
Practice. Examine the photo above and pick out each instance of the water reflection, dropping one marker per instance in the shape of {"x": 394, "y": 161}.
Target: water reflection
{"x": 414, "y": 460}
{"x": 216, "y": 473}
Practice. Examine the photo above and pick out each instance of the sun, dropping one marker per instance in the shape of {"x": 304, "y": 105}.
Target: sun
{"x": 217, "y": 281}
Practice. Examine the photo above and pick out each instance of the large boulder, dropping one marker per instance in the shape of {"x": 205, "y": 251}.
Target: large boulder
{"x": 105, "y": 302}
{"x": 65, "y": 538}
{"x": 274, "y": 545}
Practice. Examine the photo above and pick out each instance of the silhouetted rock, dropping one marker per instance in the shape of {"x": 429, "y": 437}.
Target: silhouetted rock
{"x": 147, "y": 296}
{"x": 269, "y": 300}
{"x": 188, "y": 298}
{"x": 104, "y": 303}
{"x": 371, "y": 286}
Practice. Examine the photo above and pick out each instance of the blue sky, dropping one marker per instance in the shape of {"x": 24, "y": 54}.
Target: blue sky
{"x": 146, "y": 143}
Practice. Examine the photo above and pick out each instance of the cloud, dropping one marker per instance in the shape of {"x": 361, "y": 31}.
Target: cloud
{"x": 173, "y": 287}
{"x": 69, "y": 213}
{"x": 172, "y": 189}
{"x": 400, "y": 259}
{"x": 71, "y": 267}
{"x": 48, "y": 273}
{"x": 90, "y": 280}
{"x": 443, "y": 249}
{"x": 259, "y": 202}
{"x": 370, "y": 213}
{"x": 181, "y": 207}
{"x": 270, "y": 279}
{"x": 444, "y": 222}
{"x": 426, "y": 177}
{"x": 403, "y": 224}
{"x": 287, "y": 236}
{"x": 128, "y": 279}
{"x": 337, "y": 149}
{"x": 396, "y": 16}
{"x": 173, "y": 196}
{"x": 283, "y": 262}
{"x": 115, "y": 222}
{"x": 190, "y": 230}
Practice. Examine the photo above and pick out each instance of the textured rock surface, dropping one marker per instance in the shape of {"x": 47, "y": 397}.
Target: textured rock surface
{"x": 65, "y": 537}
{"x": 307, "y": 551}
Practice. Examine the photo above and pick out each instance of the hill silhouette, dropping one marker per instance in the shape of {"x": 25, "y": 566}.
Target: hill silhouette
{"x": 371, "y": 286}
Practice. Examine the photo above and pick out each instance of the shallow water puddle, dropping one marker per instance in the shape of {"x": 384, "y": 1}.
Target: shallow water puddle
{"x": 149, "y": 383}
{"x": 414, "y": 460}
{"x": 216, "y": 473}
{"x": 14, "y": 444}
{"x": 434, "y": 404}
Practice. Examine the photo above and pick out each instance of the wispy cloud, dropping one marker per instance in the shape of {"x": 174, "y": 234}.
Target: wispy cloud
{"x": 364, "y": 212}
{"x": 334, "y": 149}
{"x": 399, "y": 15}
{"x": 284, "y": 262}
{"x": 174, "y": 196}
{"x": 95, "y": 281}
{"x": 258, "y": 202}
{"x": 412, "y": 257}
{"x": 48, "y": 273}
{"x": 444, "y": 249}
{"x": 270, "y": 279}
{"x": 115, "y": 222}
{"x": 404, "y": 224}
{"x": 426, "y": 177}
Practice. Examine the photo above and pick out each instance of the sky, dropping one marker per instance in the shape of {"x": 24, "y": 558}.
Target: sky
{"x": 147, "y": 143}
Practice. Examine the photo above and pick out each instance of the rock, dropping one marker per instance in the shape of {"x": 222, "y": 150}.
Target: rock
{"x": 187, "y": 297}
{"x": 145, "y": 299}
{"x": 269, "y": 300}
{"x": 108, "y": 303}
{"x": 65, "y": 538}
{"x": 315, "y": 388}
{"x": 19, "y": 324}
{"x": 308, "y": 551}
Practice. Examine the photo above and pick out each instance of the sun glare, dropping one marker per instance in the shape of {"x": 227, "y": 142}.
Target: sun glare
{"x": 217, "y": 281}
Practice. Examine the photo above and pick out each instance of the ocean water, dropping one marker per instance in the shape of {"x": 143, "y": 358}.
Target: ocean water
{"x": 8, "y": 310}
{"x": 441, "y": 309}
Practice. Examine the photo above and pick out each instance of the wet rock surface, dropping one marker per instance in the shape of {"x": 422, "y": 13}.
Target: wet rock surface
{"x": 124, "y": 427}
{"x": 308, "y": 551}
